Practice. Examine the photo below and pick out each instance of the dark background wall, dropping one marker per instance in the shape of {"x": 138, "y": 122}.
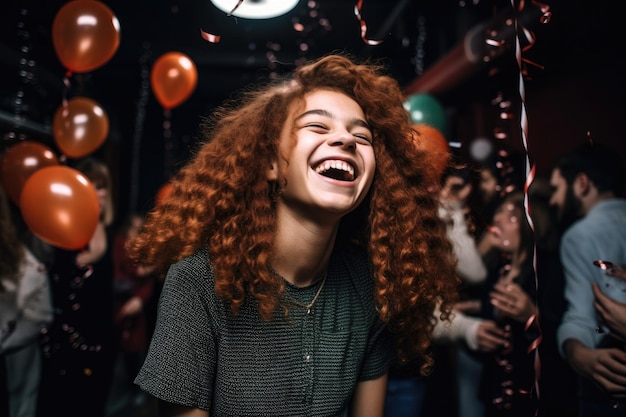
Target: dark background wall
{"x": 574, "y": 79}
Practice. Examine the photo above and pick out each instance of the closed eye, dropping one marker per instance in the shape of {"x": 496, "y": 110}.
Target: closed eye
{"x": 316, "y": 126}
{"x": 363, "y": 137}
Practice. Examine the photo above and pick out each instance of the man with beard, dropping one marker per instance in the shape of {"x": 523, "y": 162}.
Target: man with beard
{"x": 588, "y": 183}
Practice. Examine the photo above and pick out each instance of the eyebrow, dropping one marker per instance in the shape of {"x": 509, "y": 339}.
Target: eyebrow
{"x": 326, "y": 113}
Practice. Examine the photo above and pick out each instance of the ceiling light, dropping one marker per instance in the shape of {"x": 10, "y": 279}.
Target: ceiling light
{"x": 256, "y": 9}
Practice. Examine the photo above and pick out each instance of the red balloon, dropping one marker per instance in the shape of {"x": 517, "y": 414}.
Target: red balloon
{"x": 19, "y": 162}
{"x": 173, "y": 78}
{"x": 434, "y": 142}
{"x": 80, "y": 126}
{"x": 60, "y": 205}
{"x": 85, "y": 35}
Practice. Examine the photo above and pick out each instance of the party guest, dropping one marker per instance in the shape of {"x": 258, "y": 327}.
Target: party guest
{"x": 79, "y": 348}
{"x": 134, "y": 287}
{"x": 301, "y": 247}
{"x": 25, "y": 307}
{"x": 589, "y": 182}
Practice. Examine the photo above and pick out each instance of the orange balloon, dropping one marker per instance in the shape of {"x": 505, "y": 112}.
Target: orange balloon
{"x": 80, "y": 126}
{"x": 173, "y": 78}
{"x": 163, "y": 193}
{"x": 19, "y": 162}
{"x": 60, "y": 206}
{"x": 85, "y": 35}
{"x": 434, "y": 142}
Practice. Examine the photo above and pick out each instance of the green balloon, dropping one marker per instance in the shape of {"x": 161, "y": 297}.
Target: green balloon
{"x": 425, "y": 109}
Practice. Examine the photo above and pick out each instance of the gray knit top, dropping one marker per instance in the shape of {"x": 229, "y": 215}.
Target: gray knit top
{"x": 305, "y": 365}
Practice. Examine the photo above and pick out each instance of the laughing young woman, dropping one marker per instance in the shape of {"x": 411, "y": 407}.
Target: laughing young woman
{"x": 303, "y": 253}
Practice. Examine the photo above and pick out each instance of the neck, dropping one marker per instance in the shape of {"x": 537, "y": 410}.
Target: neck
{"x": 518, "y": 259}
{"x": 595, "y": 198}
{"x": 302, "y": 249}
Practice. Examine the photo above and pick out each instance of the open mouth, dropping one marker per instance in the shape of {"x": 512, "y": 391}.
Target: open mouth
{"x": 336, "y": 169}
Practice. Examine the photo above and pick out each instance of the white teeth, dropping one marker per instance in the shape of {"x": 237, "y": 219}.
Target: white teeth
{"x": 335, "y": 164}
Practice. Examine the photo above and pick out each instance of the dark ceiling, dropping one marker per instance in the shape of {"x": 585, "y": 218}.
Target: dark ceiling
{"x": 249, "y": 50}
{"x": 416, "y": 34}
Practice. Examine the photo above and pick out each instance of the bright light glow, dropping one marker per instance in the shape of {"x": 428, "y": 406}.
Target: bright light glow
{"x": 58, "y": 188}
{"x": 80, "y": 119}
{"x": 82, "y": 180}
{"x": 31, "y": 161}
{"x": 185, "y": 63}
{"x": 417, "y": 115}
{"x": 87, "y": 20}
{"x": 80, "y": 132}
{"x": 256, "y": 9}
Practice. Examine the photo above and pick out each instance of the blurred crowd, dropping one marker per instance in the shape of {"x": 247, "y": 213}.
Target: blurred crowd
{"x": 539, "y": 328}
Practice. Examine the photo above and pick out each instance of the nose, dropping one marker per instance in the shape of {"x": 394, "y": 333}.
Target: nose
{"x": 344, "y": 139}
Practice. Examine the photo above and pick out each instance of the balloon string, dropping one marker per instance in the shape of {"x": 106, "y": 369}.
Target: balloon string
{"x": 66, "y": 90}
{"x": 140, "y": 116}
{"x": 65, "y": 110}
{"x": 169, "y": 160}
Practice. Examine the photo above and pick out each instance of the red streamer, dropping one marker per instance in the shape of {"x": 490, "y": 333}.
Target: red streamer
{"x": 530, "y": 170}
{"x": 210, "y": 37}
{"x": 363, "y": 25}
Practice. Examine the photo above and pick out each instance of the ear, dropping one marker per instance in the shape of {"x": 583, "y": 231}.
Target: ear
{"x": 582, "y": 185}
{"x": 272, "y": 172}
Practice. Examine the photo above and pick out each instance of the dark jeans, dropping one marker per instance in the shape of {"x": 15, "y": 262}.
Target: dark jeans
{"x": 405, "y": 397}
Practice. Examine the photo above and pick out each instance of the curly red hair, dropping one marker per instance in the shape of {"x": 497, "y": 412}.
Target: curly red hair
{"x": 222, "y": 199}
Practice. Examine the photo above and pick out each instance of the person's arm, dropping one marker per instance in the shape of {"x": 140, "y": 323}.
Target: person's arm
{"x": 479, "y": 334}
{"x": 96, "y": 249}
{"x": 167, "y": 409}
{"x": 612, "y": 313}
{"x": 605, "y": 366}
{"x": 470, "y": 264}
{"x": 369, "y": 398}
{"x": 580, "y": 319}
{"x": 34, "y": 304}
{"x": 453, "y": 195}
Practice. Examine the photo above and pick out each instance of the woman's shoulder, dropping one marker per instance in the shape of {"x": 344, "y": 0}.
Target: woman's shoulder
{"x": 198, "y": 259}
{"x": 195, "y": 268}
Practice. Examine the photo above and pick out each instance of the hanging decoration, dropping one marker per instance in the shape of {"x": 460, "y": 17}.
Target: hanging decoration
{"x": 85, "y": 35}
{"x": 497, "y": 39}
{"x": 60, "y": 206}
{"x": 210, "y": 37}
{"x": 80, "y": 126}
{"x": 19, "y": 162}
{"x": 420, "y": 52}
{"x": 363, "y": 25}
{"x": 138, "y": 132}
{"x": 530, "y": 168}
{"x": 26, "y": 69}
{"x": 173, "y": 79}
